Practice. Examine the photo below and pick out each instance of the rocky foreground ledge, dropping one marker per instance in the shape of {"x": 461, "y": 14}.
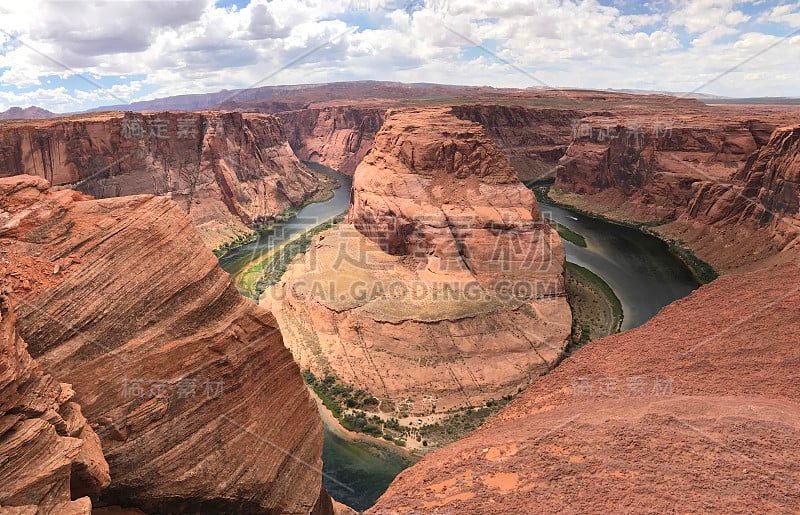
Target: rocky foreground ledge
{"x": 198, "y": 404}
{"x": 50, "y": 453}
{"x": 444, "y": 290}
{"x": 697, "y": 411}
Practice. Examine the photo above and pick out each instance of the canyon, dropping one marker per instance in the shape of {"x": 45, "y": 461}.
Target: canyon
{"x": 695, "y": 179}
{"x": 338, "y": 136}
{"x": 444, "y": 289}
{"x": 198, "y": 401}
{"x": 230, "y": 171}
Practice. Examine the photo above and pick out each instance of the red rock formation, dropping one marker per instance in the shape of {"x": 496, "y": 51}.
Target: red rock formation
{"x": 698, "y": 409}
{"x": 228, "y": 170}
{"x": 198, "y": 403}
{"x": 51, "y": 459}
{"x": 338, "y": 137}
{"x": 758, "y": 209}
{"x": 705, "y": 180}
{"x": 447, "y": 289}
{"x": 533, "y": 139}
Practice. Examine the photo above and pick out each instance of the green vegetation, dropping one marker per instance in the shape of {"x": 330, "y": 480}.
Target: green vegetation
{"x": 580, "y": 329}
{"x": 236, "y": 242}
{"x": 568, "y": 234}
{"x": 702, "y": 271}
{"x": 356, "y": 411}
{"x": 455, "y": 426}
{"x": 323, "y": 194}
{"x": 269, "y": 271}
{"x": 242, "y": 239}
{"x": 338, "y": 397}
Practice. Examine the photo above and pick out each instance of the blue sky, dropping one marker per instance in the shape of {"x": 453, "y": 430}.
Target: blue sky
{"x": 70, "y": 55}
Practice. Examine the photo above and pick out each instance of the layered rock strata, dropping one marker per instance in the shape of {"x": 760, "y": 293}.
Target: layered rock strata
{"x": 718, "y": 187}
{"x": 445, "y": 289}
{"x": 52, "y": 459}
{"x": 338, "y": 137}
{"x": 198, "y": 404}
{"x": 229, "y": 171}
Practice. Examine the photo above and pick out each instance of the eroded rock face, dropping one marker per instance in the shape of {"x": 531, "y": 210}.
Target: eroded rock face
{"x": 338, "y": 137}
{"x": 444, "y": 289}
{"x": 698, "y": 408}
{"x": 50, "y": 454}
{"x": 198, "y": 404}
{"x": 725, "y": 188}
{"x": 760, "y": 205}
{"x": 652, "y": 165}
{"x": 533, "y": 139}
{"x": 227, "y": 170}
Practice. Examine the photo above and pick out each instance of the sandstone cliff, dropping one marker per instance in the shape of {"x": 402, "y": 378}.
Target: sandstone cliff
{"x": 696, "y": 411}
{"x": 533, "y": 139}
{"x": 338, "y": 137}
{"x": 227, "y": 170}
{"x": 445, "y": 289}
{"x": 198, "y": 404}
{"x": 712, "y": 184}
{"x": 51, "y": 459}
{"x": 757, "y": 209}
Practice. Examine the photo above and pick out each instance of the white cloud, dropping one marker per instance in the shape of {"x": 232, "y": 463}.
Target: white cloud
{"x": 788, "y": 14}
{"x": 194, "y": 46}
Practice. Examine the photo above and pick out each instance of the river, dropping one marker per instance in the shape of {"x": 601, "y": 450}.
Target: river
{"x": 638, "y": 267}
{"x": 240, "y": 259}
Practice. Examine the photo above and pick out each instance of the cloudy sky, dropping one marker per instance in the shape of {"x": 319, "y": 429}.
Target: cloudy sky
{"x": 69, "y": 55}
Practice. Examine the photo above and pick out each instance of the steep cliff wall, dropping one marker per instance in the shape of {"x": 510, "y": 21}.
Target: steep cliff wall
{"x": 227, "y": 170}
{"x": 445, "y": 289}
{"x": 758, "y": 209}
{"x": 50, "y": 453}
{"x": 338, "y": 137}
{"x": 715, "y": 185}
{"x": 533, "y": 139}
{"x": 198, "y": 404}
{"x": 699, "y": 408}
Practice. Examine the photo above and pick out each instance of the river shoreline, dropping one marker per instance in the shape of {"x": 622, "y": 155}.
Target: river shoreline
{"x": 326, "y": 191}
{"x": 596, "y": 309}
{"x": 702, "y": 271}
{"x": 333, "y": 425}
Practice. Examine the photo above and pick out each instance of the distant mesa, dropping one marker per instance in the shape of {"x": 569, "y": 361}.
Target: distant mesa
{"x": 27, "y": 113}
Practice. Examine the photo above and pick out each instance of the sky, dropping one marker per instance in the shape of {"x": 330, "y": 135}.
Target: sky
{"x": 69, "y": 56}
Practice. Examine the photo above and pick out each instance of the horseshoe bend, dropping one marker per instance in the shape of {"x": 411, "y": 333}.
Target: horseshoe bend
{"x": 463, "y": 313}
